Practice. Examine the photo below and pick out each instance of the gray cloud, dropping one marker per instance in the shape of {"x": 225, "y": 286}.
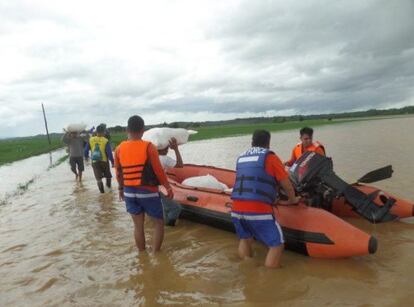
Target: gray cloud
{"x": 244, "y": 58}
{"x": 339, "y": 47}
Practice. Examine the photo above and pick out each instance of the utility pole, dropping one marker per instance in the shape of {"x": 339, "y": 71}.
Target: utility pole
{"x": 47, "y": 130}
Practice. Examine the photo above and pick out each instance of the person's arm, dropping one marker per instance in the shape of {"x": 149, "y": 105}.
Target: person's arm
{"x": 174, "y": 146}
{"x": 158, "y": 170}
{"x": 283, "y": 178}
{"x": 65, "y": 138}
{"x": 290, "y": 191}
{"x": 119, "y": 174}
{"x": 320, "y": 150}
{"x": 108, "y": 151}
{"x": 85, "y": 137}
{"x": 292, "y": 159}
{"x": 86, "y": 151}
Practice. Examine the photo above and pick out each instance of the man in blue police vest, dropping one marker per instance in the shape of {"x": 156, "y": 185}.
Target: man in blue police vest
{"x": 260, "y": 172}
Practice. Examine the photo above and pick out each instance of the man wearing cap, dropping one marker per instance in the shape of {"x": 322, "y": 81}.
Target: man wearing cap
{"x": 100, "y": 156}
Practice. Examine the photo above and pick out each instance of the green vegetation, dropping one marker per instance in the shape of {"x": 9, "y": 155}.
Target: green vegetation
{"x": 221, "y": 131}
{"x": 118, "y": 137}
{"x": 21, "y": 148}
{"x": 373, "y": 113}
{"x": 232, "y": 130}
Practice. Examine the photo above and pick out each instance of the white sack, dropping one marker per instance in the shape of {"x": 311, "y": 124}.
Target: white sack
{"x": 160, "y": 137}
{"x": 206, "y": 181}
{"x": 75, "y": 127}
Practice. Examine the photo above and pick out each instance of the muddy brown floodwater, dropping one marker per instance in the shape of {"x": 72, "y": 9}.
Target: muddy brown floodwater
{"x": 64, "y": 244}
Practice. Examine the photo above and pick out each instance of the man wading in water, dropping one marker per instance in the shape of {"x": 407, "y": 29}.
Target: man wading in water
{"x": 75, "y": 143}
{"x": 259, "y": 174}
{"x": 101, "y": 155}
{"x": 139, "y": 172}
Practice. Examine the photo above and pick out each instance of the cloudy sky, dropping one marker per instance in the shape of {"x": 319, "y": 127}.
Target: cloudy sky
{"x": 102, "y": 61}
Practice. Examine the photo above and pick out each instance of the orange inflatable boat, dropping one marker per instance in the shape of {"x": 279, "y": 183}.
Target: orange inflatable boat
{"x": 402, "y": 208}
{"x": 311, "y": 231}
{"x": 315, "y": 180}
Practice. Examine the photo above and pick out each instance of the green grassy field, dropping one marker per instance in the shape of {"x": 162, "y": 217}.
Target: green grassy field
{"x": 117, "y": 138}
{"x": 17, "y": 149}
{"x": 213, "y": 132}
{"x": 21, "y": 148}
{"x": 234, "y": 130}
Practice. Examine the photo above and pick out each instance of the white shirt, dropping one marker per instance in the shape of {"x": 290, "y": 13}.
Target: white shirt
{"x": 167, "y": 162}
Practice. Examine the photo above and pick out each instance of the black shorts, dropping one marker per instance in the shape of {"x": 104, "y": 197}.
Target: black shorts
{"x": 101, "y": 169}
{"x": 76, "y": 161}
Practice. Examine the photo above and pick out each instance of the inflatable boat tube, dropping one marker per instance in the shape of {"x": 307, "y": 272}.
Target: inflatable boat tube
{"x": 310, "y": 231}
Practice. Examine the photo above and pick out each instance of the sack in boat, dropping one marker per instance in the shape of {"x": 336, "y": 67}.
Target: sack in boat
{"x": 160, "y": 137}
{"x": 75, "y": 127}
{"x": 206, "y": 181}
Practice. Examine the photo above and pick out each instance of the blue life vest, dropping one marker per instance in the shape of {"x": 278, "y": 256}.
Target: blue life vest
{"x": 252, "y": 181}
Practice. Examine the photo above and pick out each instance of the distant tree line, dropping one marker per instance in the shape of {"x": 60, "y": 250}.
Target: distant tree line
{"x": 279, "y": 119}
{"x": 260, "y": 120}
{"x": 274, "y": 119}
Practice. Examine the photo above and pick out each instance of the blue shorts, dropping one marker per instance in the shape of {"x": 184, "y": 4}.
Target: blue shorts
{"x": 141, "y": 200}
{"x": 263, "y": 227}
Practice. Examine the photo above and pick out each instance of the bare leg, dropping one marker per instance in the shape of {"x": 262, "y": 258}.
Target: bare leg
{"x": 101, "y": 186}
{"x": 158, "y": 234}
{"x": 273, "y": 257}
{"x": 245, "y": 248}
{"x": 139, "y": 234}
{"x": 73, "y": 169}
{"x": 76, "y": 174}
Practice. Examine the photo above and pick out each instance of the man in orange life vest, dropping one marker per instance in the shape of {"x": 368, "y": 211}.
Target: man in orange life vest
{"x": 259, "y": 173}
{"x": 306, "y": 144}
{"x": 139, "y": 172}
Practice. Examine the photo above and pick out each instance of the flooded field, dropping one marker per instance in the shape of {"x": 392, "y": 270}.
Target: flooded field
{"x": 64, "y": 244}
{"x": 16, "y": 177}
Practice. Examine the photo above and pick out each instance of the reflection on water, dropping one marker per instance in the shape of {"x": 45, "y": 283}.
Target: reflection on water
{"x": 62, "y": 242}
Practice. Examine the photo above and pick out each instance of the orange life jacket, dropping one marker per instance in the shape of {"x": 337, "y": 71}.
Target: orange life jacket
{"x": 135, "y": 164}
{"x": 298, "y": 150}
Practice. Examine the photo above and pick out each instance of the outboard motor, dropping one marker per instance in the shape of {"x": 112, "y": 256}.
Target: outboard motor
{"x": 312, "y": 175}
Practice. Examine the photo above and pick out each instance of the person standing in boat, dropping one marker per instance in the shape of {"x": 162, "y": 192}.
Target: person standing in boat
{"x": 139, "y": 172}
{"x": 306, "y": 144}
{"x": 171, "y": 208}
{"x": 100, "y": 156}
{"x": 259, "y": 173}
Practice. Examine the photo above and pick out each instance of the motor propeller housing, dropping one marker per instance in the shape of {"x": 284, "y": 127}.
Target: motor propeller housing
{"x": 313, "y": 177}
